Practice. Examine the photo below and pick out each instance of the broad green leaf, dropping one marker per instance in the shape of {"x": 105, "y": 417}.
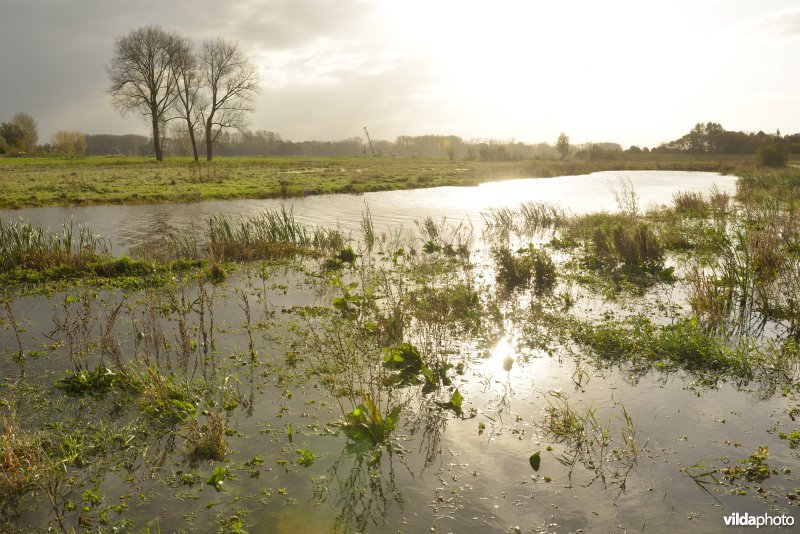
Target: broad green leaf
{"x": 535, "y": 460}
{"x": 217, "y": 477}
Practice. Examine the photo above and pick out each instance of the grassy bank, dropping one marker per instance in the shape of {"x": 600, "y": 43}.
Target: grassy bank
{"x": 47, "y": 181}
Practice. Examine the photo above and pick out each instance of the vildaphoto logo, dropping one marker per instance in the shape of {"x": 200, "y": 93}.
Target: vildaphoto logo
{"x": 747, "y": 520}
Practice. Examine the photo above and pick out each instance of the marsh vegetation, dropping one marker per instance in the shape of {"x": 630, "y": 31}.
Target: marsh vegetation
{"x": 259, "y": 373}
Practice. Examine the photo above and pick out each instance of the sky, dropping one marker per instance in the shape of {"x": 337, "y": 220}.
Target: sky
{"x": 633, "y": 72}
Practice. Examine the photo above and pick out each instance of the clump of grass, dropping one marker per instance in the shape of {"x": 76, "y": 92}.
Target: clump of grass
{"x": 24, "y": 246}
{"x": 328, "y": 240}
{"x": 516, "y": 270}
{"x": 439, "y": 236}
{"x": 719, "y": 201}
{"x": 750, "y": 277}
{"x": 207, "y": 442}
{"x": 690, "y": 202}
{"x": 20, "y": 459}
{"x": 630, "y": 249}
{"x": 269, "y": 234}
{"x": 530, "y": 218}
{"x": 685, "y": 345}
{"x": 216, "y": 273}
{"x": 590, "y": 441}
{"x": 539, "y": 215}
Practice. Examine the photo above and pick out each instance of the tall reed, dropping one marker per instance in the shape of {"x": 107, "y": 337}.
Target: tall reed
{"x": 24, "y": 245}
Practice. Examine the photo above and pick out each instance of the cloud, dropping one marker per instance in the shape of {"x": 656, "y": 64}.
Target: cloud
{"x": 782, "y": 23}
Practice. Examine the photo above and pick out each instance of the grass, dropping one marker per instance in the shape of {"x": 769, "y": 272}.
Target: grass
{"x": 23, "y": 245}
{"x": 687, "y": 345}
{"x": 528, "y": 266}
{"x": 207, "y": 442}
{"x": 20, "y": 457}
{"x": 47, "y": 181}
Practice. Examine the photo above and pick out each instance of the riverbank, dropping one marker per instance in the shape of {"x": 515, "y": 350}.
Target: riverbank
{"x": 51, "y": 181}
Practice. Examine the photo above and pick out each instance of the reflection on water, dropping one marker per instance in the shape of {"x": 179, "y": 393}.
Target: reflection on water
{"x": 128, "y": 226}
{"x": 362, "y": 484}
{"x": 602, "y": 465}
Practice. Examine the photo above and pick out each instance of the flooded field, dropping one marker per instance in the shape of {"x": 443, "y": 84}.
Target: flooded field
{"x": 608, "y": 353}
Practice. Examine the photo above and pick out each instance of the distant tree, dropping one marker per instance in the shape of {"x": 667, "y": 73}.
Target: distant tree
{"x": 31, "y": 131}
{"x": 141, "y": 77}
{"x": 14, "y": 136}
{"x": 69, "y": 143}
{"x": 771, "y": 155}
{"x": 106, "y": 144}
{"x": 562, "y": 145}
{"x": 231, "y": 83}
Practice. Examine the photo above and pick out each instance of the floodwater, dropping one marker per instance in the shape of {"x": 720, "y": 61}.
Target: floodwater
{"x": 128, "y": 226}
{"x": 449, "y": 473}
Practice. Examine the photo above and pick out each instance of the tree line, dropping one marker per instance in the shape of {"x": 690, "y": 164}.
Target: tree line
{"x": 712, "y": 138}
{"x": 163, "y": 76}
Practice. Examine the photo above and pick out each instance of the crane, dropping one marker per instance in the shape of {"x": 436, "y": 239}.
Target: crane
{"x": 369, "y": 141}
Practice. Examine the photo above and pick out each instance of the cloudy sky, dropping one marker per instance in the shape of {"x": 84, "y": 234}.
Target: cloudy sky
{"x": 634, "y": 72}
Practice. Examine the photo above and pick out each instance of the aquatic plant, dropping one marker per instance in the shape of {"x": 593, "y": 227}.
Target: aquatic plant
{"x": 515, "y": 270}
{"x": 366, "y": 423}
{"x": 25, "y": 246}
{"x": 589, "y": 441}
{"x": 20, "y": 460}
{"x": 271, "y": 233}
{"x": 692, "y": 203}
{"x": 207, "y": 442}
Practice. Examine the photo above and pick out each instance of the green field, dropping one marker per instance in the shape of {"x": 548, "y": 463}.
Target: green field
{"x": 46, "y": 181}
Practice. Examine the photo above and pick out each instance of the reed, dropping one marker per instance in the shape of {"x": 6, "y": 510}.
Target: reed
{"x": 268, "y": 234}
{"x": 27, "y": 246}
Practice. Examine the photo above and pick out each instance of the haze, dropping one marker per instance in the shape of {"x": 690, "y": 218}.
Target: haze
{"x": 629, "y": 72}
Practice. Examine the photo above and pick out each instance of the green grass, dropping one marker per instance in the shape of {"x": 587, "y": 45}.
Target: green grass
{"x": 46, "y": 181}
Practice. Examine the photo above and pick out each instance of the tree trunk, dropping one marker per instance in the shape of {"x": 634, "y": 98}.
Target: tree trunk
{"x": 157, "y": 139}
{"x": 194, "y": 141}
{"x": 209, "y": 141}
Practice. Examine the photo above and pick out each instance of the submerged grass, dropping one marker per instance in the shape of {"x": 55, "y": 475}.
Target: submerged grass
{"x": 686, "y": 345}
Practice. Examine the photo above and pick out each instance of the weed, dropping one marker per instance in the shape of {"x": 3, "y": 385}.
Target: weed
{"x": 19, "y": 356}
{"x": 22, "y": 245}
{"x": 626, "y": 197}
{"x": 207, "y": 442}
{"x": 692, "y": 203}
{"x": 266, "y": 235}
{"x": 366, "y": 423}
{"x": 517, "y": 270}
{"x": 20, "y": 460}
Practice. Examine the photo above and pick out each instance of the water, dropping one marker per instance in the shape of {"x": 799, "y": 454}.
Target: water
{"x": 466, "y": 474}
{"x": 128, "y": 226}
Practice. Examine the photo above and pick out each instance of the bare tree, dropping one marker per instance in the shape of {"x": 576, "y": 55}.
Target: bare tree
{"x": 190, "y": 101}
{"x": 141, "y": 77}
{"x": 232, "y": 83}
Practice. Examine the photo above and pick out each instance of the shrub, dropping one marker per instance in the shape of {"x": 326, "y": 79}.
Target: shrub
{"x": 771, "y": 155}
